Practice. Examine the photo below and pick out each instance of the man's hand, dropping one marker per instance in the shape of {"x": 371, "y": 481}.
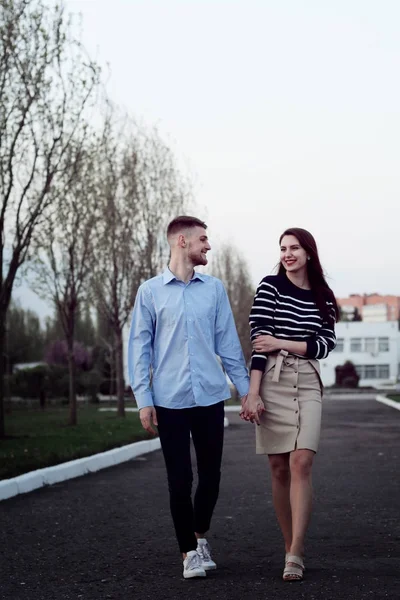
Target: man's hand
{"x": 148, "y": 416}
{"x": 267, "y": 343}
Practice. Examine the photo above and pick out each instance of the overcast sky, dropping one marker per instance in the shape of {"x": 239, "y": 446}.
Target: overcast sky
{"x": 286, "y": 112}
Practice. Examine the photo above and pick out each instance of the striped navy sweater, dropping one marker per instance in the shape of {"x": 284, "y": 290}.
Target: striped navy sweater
{"x": 286, "y": 311}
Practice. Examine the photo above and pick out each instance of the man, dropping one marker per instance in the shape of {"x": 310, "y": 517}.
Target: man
{"x": 181, "y": 321}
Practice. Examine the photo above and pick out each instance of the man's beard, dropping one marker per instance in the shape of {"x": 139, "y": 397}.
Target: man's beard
{"x": 198, "y": 259}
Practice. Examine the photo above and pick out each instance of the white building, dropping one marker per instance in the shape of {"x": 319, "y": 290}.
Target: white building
{"x": 373, "y": 348}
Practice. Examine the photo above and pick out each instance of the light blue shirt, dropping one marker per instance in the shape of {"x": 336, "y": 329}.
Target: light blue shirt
{"x": 176, "y": 334}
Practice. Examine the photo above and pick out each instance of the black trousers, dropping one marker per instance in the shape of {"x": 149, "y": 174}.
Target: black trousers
{"x": 206, "y": 424}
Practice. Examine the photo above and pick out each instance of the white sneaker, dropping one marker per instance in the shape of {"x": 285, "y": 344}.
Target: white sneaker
{"x": 192, "y": 566}
{"x": 204, "y": 552}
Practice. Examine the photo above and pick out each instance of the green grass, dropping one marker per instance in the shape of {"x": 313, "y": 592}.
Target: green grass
{"x": 395, "y": 397}
{"x": 37, "y": 439}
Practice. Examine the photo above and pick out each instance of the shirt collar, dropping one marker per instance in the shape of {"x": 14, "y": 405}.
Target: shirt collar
{"x": 169, "y": 276}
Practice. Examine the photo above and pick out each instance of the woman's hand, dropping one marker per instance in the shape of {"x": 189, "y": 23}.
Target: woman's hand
{"x": 266, "y": 343}
{"x": 252, "y": 408}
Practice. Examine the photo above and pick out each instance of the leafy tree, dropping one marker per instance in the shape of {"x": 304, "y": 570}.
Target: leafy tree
{"x": 58, "y": 354}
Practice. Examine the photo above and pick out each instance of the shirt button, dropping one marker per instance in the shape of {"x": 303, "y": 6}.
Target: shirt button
{"x": 297, "y": 412}
{"x": 294, "y": 399}
{"x": 294, "y": 386}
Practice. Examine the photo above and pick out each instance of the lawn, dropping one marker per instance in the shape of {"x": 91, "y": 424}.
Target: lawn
{"x": 37, "y": 439}
{"x": 395, "y": 397}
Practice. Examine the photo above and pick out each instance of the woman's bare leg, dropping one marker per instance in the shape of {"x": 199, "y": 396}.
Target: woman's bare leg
{"x": 300, "y": 497}
{"x": 280, "y": 473}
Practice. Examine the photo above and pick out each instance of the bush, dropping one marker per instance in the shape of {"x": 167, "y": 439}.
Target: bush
{"x": 53, "y": 382}
{"x": 58, "y": 386}
{"x": 350, "y": 382}
{"x": 40, "y": 382}
{"x": 30, "y": 383}
{"x": 346, "y": 375}
{"x": 90, "y": 382}
{"x": 108, "y": 387}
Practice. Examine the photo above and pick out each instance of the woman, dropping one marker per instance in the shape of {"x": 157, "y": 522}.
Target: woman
{"x": 292, "y": 326}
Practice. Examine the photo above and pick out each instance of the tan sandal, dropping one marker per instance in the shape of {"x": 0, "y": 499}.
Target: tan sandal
{"x": 286, "y": 559}
{"x": 294, "y": 568}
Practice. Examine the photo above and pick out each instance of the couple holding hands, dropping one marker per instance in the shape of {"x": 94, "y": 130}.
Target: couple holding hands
{"x": 181, "y": 322}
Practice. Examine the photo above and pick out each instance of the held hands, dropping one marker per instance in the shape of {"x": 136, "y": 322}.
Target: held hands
{"x": 147, "y": 416}
{"x": 266, "y": 343}
{"x": 252, "y": 408}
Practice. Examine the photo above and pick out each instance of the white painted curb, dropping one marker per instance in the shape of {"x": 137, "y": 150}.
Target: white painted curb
{"x": 227, "y": 408}
{"x": 388, "y": 402}
{"x": 76, "y": 468}
{"x": 113, "y": 409}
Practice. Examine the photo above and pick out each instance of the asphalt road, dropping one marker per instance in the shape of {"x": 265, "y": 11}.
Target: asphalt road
{"x": 109, "y": 535}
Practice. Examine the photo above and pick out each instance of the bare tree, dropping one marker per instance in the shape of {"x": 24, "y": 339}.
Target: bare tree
{"x": 229, "y": 266}
{"x": 140, "y": 189}
{"x": 161, "y": 193}
{"x": 63, "y": 249}
{"x": 46, "y": 82}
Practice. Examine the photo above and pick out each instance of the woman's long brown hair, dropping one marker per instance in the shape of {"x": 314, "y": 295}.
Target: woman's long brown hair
{"x": 315, "y": 272}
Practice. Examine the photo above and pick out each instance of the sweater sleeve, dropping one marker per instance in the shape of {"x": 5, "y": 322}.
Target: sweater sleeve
{"x": 262, "y": 319}
{"x": 321, "y": 344}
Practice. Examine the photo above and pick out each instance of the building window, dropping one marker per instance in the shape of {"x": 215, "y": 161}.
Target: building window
{"x": 383, "y": 372}
{"x": 373, "y": 371}
{"x": 383, "y": 344}
{"x": 369, "y": 371}
{"x": 339, "y": 345}
{"x": 370, "y": 344}
{"x": 359, "y": 371}
{"x": 355, "y": 344}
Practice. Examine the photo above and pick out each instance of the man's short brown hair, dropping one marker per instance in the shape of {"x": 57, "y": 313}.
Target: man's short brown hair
{"x": 184, "y": 222}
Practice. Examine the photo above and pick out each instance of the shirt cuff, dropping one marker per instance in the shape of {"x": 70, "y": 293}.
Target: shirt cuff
{"x": 144, "y": 399}
{"x": 258, "y": 363}
{"x": 242, "y": 386}
{"x": 312, "y": 348}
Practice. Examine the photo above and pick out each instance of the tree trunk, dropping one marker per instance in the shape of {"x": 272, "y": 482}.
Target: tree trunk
{"x": 72, "y": 395}
{"x": 119, "y": 369}
{"x": 2, "y": 372}
{"x": 112, "y": 390}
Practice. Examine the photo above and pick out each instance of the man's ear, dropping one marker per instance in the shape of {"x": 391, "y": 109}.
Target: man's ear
{"x": 181, "y": 240}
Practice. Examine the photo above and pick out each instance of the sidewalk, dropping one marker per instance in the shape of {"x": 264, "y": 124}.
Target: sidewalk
{"x": 109, "y": 534}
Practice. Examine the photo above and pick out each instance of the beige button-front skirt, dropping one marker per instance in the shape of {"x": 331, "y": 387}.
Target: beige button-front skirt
{"x": 291, "y": 390}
